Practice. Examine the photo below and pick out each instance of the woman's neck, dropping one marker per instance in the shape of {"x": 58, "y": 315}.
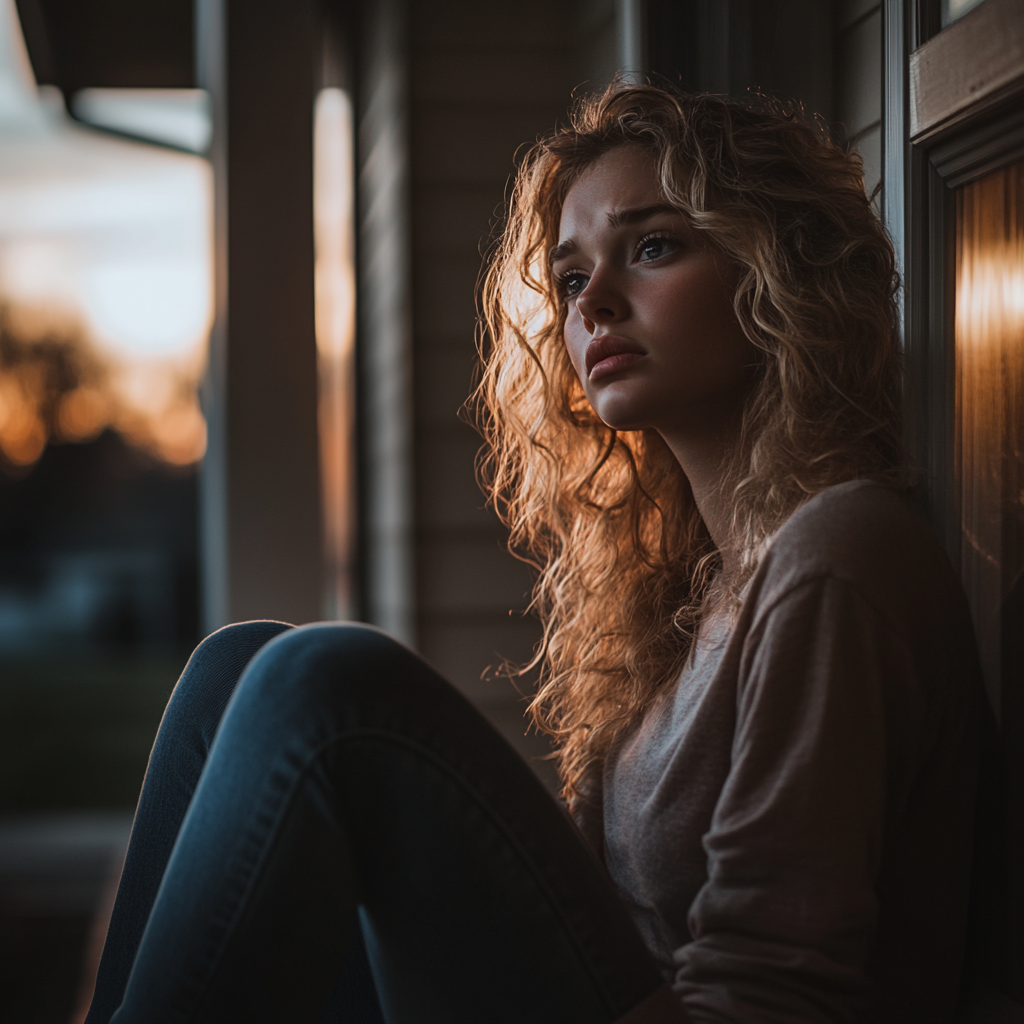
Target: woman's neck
{"x": 707, "y": 455}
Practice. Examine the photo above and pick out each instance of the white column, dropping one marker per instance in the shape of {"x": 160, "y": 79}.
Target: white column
{"x": 261, "y": 510}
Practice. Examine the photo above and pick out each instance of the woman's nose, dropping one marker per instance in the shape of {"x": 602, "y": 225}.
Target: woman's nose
{"x": 600, "y": 302}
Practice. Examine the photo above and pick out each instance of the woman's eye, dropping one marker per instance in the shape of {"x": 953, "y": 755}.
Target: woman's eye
{"x": 573, "y": 283}
{"x": 655, "y": 248}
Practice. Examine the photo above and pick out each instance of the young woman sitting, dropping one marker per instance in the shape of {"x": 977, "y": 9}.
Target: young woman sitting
{"x": 756, "y": 664}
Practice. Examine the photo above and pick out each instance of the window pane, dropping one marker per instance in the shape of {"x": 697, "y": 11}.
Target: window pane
{"x": 990, "y": 419}
{"x": 954, "y": 10}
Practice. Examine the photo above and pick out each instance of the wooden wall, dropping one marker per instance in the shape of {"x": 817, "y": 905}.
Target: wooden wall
{"x": 858, "y": 103}
{"x": 483, "y": 80}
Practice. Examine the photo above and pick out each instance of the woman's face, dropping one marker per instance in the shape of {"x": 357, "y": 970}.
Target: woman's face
{"x": 649, "y": 326}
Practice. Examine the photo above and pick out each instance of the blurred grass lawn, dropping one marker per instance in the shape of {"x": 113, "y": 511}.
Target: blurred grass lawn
{"x": 75, "y": 733}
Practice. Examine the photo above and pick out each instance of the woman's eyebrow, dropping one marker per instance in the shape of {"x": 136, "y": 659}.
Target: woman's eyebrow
{"x": 617, "y": 218}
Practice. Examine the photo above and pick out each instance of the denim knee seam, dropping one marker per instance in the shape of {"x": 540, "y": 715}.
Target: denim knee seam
{"x": 254, "y": 868}
{"x": 498, "y": 822}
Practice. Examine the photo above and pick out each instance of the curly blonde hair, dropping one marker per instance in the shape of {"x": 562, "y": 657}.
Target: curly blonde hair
{"x": 624, "y": 562}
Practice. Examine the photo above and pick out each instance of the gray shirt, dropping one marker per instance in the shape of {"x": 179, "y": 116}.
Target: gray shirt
{"x": 790, "y": 824}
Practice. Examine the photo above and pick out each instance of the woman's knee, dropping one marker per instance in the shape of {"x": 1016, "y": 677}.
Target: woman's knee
{"x": 213, "y": 671}
{"x": 330, "y": 649}
{"x": 236, "y": 643}
{"x": 333, "y": 664}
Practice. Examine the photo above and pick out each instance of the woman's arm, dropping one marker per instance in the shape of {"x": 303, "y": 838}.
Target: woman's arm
{"x": 832, "y": 722}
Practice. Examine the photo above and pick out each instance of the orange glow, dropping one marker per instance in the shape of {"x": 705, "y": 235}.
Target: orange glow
{"x": 335, "y": 335}
{"x": 990, "y": 407}
{"x": 82, "y": 415}
{"x": 22, "y": 431}
{"x": 56, "y": 384}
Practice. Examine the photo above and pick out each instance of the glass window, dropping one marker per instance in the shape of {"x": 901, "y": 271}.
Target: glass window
{"x": 105, "y": 309}
{"x": 990, "y": 420}
{"x": 954, "y": 10}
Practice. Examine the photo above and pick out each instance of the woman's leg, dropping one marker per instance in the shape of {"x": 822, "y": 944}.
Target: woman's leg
{"x": 346, "y": 773}
{"x": 179, "y": 755}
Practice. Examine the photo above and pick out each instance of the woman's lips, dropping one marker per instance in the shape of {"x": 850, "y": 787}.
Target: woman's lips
{"x": 610, "y": 354}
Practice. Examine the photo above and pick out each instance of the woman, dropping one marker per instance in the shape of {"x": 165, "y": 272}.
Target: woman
{"x": 756, "y": 664}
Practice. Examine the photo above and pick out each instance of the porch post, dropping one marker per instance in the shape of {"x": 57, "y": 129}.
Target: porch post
{"x": 260, "y": 504}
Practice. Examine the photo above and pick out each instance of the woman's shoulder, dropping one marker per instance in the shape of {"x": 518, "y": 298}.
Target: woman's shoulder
{"x": 850, "y": 521}
{"x": 868, "y": 537}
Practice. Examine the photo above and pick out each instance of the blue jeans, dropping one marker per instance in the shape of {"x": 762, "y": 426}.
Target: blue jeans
{"x": 329, "y": 831}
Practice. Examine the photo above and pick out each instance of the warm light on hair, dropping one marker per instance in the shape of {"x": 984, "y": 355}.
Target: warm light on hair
{"x": 607, "y": 517}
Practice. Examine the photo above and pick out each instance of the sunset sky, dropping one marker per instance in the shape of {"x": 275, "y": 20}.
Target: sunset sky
{"x": 108, "y": 239}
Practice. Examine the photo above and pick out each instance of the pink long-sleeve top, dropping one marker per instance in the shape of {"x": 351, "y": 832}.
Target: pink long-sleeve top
{"x": 791, "y": 823}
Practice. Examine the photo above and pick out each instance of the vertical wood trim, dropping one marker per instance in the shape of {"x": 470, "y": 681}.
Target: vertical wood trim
{"x": 915, "y": 210}
{"x": 933, "y": 223}
{"x": 384, "y": 342}
{"x": 632, "y": 32}
{"x": 894, "y": 126}
{"x": 262, "y": 517}
{"x": 213, "y": 498}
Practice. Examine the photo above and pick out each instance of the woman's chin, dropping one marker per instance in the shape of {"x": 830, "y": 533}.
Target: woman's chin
{"x": 623, "y": 419}
{"x": 624, "y": 403}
